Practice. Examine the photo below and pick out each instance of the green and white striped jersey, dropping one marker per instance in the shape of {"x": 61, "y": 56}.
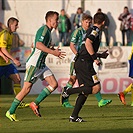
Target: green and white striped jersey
{"x": 37, "y": 57}
{"x": 78, "y": 37}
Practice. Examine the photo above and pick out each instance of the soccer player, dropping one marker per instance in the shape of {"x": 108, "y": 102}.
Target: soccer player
{"x": 36, "y": 67}
{"x": 86, "y": 75}
{"x": 6, "y": 67}
{"x": 77, "y": 38}
{"x": 130, "y": 87}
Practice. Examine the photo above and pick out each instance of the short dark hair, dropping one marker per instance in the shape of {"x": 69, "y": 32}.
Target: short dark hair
{"x": 99, "y": 18}
{"x": 125, "y": 7}
{"x": 62, "y": 10}
{"x": 50, "y": 14}
{"x": 99, "y": 10}
{"x": 11, "y": 20}
{"x": 86, "y": 17}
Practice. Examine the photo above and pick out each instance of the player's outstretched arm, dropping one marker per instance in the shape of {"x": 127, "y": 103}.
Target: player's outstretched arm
{"x": 56, "y": 52}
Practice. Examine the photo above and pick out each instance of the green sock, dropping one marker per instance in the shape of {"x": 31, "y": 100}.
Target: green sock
{"x": 98, "y": 96}
{"x": 45, "y": 92}
{"x": 68, "y": 85}
{"x": 14, "y": 106}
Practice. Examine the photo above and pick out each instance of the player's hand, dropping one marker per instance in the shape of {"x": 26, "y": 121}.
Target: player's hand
{"x": 59, "y": 53}
{"x": 98, "y": 62}
{"x": 6, "y": 59}
{"x": 104, "y": 54}
{"x": 17, "y": 63}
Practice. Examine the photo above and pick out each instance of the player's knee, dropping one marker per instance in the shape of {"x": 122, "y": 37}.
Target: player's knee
{"x": 72, "y": 79}
{"x": 54, "y": 85}
{"x": 96, "y": 89}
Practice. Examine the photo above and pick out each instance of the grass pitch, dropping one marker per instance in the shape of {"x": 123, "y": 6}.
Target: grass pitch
{"x": 113, "y": 118}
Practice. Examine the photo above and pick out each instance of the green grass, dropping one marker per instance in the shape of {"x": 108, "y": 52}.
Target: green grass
{"x": 114, "y": 118}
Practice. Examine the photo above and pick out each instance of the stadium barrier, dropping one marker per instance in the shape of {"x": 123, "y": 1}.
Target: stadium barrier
{"x": 113, "y": 73}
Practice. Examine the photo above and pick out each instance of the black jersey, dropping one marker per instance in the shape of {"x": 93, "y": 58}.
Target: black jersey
{"x": 93, "y": 35}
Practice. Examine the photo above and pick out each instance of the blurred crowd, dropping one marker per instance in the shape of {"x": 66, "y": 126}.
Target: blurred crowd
{"x": 67, "y": 25}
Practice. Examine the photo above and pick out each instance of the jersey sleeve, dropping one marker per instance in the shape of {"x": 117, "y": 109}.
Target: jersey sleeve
{"x": 41, "y": 34}
{"x": 92, "y": 35}
{"x": 74, "y": 37}
{"x": 3, "y": 39}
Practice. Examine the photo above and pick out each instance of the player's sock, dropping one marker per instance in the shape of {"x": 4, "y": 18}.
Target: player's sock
{"x": 79, "y": 103}
{"x": 45, "y": 92}
{"x": 68, "y": 85}
{"x": 98, "y": 96}
{"x": 16, "y": 88}
{"x": 128, "y": 89}
{"x": 14, "y": 106}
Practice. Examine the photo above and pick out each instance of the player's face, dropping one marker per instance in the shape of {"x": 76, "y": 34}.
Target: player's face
{"x": 54, "y": 21}
{"x": 86, "y": 24}
{"x": 14, "y": 26}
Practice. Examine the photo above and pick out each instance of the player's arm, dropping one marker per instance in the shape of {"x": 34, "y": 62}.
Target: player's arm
{"x": 3, "y": 56}
{"x": 73, "y": 48}
{"x": 7, "y": 54}
{"x": 103, "y": 55}
{"x": 56, "y": 52}
{"x": 3, "y": 45}
{"x": 90, "y": 38}
{"x": 74, "y": 40}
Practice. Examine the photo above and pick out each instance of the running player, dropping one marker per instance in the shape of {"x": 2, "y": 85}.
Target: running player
{"x": 6, "y": 67}
{"x": 36, "y": 67}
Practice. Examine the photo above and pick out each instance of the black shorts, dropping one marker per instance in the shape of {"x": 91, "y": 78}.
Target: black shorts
{"x": 85, "y": 73}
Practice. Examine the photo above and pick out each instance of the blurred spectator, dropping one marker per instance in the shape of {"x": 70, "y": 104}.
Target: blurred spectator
{"x": 64, "y": 27}
{"x": 125, "y": 26}
{"x": 104, "y": 28}
{"x": 77, "y": 18}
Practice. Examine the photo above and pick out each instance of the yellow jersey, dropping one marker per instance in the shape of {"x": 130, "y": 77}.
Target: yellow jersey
{"x": 6, "y": 39}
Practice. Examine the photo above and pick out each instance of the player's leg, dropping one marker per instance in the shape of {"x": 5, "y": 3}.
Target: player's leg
{"x": 102, "y": 102}
{"x": 70, "y": 83}
{"x": 80, "y": 102}
{"x": 13, "y": 74}
{"x": 123, "y": 94}
{"x": 49, "y": 77}
{"x": 17, "y": 100}
{"x": 78, "y": 105}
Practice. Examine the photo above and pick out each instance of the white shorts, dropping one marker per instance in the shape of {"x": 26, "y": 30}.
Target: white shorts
{"x": 33, "y": 73}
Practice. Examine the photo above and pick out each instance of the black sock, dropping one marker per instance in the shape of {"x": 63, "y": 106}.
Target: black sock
{"x": 83, "y": 89}
{"x": 78, "y": 105}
